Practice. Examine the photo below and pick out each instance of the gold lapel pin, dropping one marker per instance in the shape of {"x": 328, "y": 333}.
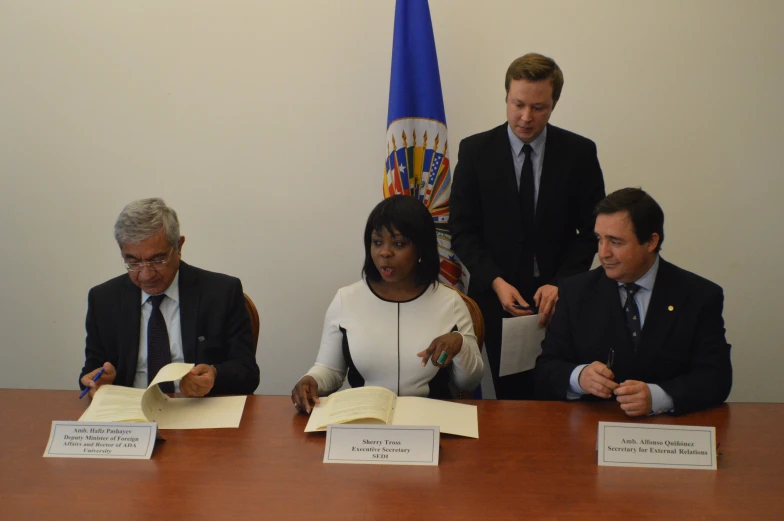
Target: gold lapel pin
{"x": 671, "y": 308}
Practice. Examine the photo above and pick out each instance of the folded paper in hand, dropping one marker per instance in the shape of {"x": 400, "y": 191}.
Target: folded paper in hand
{"x": 521, "y": 343}
{"x": 115, "y": 403}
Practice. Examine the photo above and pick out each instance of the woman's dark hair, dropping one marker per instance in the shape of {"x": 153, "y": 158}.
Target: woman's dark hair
{"x": 412, "y": 219}
{"x": 646, "y": 214}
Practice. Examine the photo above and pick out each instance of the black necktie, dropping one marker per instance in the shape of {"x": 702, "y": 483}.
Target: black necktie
{"x": 527, "y": 190}
{"x": 632, "y": 313}
{"x": 158, "y": 352}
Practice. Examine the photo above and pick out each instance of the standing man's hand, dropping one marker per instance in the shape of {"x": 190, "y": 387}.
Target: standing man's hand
{"x": 545, "y": 299}
{"x": 198, "y": 382}
{"x": 508, "y": 296}
{"x": 635, "y": 398}
{"x": 108, "y": 376}
{"x": 597, "y": 379}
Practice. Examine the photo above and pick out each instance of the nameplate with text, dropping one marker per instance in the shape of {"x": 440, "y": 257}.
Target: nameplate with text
{"x": 382, "y": 444}
{"x": 116, "y": 440}
{"x": 656, "y": 446}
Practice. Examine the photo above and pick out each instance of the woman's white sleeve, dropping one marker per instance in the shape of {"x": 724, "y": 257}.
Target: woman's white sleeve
{"x": 467, "y": 366}
{"x": 330, "y": 368}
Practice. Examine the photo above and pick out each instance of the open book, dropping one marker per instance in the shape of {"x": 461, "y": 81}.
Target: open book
{"x": 381, "y": 406}
{"x": 115, "y": 403}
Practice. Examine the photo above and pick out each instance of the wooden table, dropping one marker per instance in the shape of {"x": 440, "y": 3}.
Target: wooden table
{"x": 533, "y": 460}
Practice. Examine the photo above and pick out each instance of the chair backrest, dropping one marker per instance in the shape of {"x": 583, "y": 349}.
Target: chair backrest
{"x": 255, "y": 324}
{"x": 476, "y": 317}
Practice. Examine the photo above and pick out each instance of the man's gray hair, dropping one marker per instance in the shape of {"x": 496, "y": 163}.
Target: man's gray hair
{"x": 142, "y": 219}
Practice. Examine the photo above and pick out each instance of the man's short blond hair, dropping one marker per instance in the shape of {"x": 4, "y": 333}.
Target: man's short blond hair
{"x": 535, "y": 67}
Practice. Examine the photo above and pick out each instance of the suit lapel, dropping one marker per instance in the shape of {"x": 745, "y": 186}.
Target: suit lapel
{"x": 666, "y": 302}
{"x": 130, "y": 318}
{"x": 551, "y": 165}
{"x": 189, "y": 308}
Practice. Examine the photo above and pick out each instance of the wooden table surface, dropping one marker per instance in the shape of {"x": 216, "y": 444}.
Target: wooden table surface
{"x": 533, "y": 460}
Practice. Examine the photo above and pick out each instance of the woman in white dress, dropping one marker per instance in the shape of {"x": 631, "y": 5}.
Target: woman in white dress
{"x": 398, "y": 327}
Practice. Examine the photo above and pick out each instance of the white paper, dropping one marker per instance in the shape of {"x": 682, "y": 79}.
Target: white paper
{"x": 113, "y": 403}
{"x": 452, "y": 418}
{"x": 69, "y": 439}
{"x": 656, "y": 446}
{"x": 220, "y": 412}
{"x": 521, "y": 343}
{"x": 154, "y": 401}
{"x": 382, "y": 445}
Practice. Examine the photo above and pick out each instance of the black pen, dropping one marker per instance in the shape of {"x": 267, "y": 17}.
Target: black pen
{"x": 610, "y": 358}
{"x": 533, "y": 309}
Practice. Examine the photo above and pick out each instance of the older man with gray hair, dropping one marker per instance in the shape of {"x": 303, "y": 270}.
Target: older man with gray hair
{"x": 165, "y": 310}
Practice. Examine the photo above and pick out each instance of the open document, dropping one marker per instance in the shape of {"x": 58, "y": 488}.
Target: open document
{"x": 114, "y": 403}
{"x": 381, "y": 406}
{"x": 521, "y": 343}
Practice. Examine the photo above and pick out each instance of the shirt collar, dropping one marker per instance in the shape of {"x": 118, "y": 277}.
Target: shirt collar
{"x": 647, "y": 280}
{"x": 517, "y": 143}
{"x": 173, "y": 291}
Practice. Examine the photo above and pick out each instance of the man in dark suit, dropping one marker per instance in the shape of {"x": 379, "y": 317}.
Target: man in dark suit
{"x": 166, "y": 311}
{"x": 521, "y": 209}
{"x": 639, "y": 328}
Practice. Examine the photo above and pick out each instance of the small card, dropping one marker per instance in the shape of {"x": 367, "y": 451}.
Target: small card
{"x": 382, "y": 444}
{"x": 656, "y": 446}
{"x": 117, "y": 440}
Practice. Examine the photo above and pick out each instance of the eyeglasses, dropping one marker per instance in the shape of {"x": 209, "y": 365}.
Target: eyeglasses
{"x": 153, "y": 265}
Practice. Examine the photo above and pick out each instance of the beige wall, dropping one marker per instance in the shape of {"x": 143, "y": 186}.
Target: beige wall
{"x": 263, "y": 124}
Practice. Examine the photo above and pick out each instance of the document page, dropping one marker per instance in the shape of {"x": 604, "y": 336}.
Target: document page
{"x": 361, "y": 403}
{"x": 521, "y": 343}
{"x": 202, "y": 413}
{"x": 366, "y": 404}
{"x": 171, "y": 373}
{"x": 452, "y": 418}
{"x": 154, "y": 400}
{"x": 114, "y": 403}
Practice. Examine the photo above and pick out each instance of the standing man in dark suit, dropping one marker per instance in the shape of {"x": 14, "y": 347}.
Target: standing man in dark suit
{"x": 639, "y": 328}
{"x": 166, "y": 311}
{"x": 521, "y": 209}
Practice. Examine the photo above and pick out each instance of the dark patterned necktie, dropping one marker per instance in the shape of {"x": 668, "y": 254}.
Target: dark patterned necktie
{"x": 632, "y": 313}
{"x": 527, "y": 189}
{"x": 158, "y": 351}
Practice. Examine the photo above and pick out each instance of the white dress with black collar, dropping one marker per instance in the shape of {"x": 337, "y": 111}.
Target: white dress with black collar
{"x": 376, "y": 341}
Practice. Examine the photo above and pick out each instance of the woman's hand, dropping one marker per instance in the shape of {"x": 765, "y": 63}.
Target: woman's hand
{"x": 442, "y": 350}
{"x": 305, "y": 394}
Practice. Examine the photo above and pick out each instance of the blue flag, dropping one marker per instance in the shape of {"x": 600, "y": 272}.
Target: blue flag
{"x": 417, "y": 162}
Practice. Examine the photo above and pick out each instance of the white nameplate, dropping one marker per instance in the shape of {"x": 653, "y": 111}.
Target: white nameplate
{"x": 382, "y": 444}
{"x": 657, "y": 446}
{"x": 117, "y": 440}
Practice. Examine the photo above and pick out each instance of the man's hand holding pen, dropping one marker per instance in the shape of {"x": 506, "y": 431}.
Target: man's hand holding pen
{"x": 107, "y": 377}
{"x": 597, "y": 379}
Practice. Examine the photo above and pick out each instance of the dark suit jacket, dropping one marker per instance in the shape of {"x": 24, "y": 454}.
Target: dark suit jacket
{"x": 682, "y": 348}
{"x": 213, "y": 318}
{"x": 486, "y": 219}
